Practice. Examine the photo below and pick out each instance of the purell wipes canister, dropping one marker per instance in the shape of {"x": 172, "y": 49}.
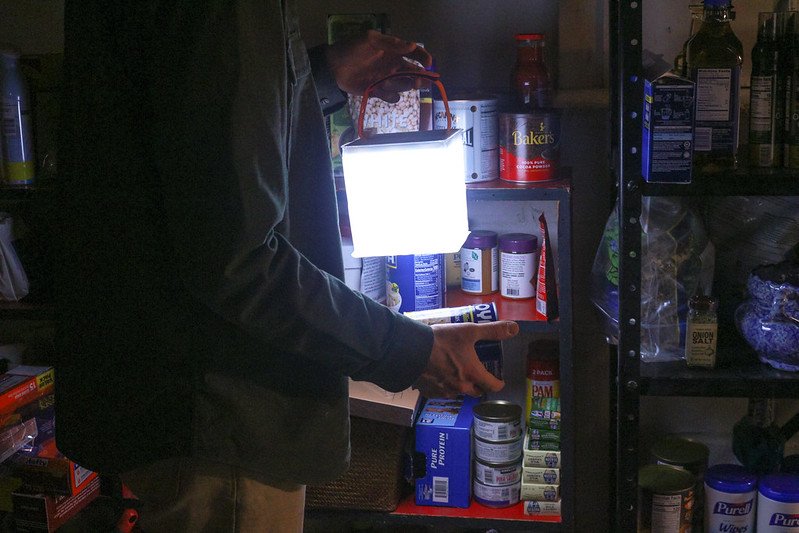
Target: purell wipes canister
{"x": 730, "y": 498}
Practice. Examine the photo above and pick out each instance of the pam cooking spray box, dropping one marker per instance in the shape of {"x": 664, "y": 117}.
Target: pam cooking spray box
{"x": 443, "y": 442}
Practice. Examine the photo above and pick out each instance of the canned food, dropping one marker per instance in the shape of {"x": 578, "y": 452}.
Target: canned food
{"x": 497, "y": 496}
{"x": 498, "y": 452}
{"x": 665, "y": 499}
{"x": 476, "y": 116}
{"x": 497, "y": 421}
{"x": 493, "y": 474}
{"x": 529, "y": 146}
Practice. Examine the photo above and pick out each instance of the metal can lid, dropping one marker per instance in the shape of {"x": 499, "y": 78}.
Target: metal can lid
{"x": 498, "y": 411}
{"x": 730, "y": 478}
{"x": 663, "y": 479}
{"x": 679, "y": 451}
{"x": 519, "y": 243}
{"x": 481, "y": 239}
{"x": 780, "y": 487}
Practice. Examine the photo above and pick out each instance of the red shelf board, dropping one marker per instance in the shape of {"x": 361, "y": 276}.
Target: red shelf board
{"x": 507, "y": 308}
{"x": 475, "y": 510}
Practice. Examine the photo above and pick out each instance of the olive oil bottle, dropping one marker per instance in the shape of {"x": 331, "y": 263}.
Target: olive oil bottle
{"x": 680, "y": 66}
{"x": 714, "y": 57}
{"x": 766, "y": 100}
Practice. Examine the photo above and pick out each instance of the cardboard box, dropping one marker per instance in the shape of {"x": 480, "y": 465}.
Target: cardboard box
{"x": 540, "y": 492}
{"x": 542, "y": 508}
{"x": 37, "y": 513}
{"x": 22, "y": 384}
{"x": 545, "y": 476}
{"x": 443, "y": 438}
{"x": 367, "y": 400}
{"x": 540, "y": 458}
{"x": 47, "y": 470}
{"x": 668, "y": 129}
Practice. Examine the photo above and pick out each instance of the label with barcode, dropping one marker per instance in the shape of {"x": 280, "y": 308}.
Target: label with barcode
{"x": 440, "y": 489}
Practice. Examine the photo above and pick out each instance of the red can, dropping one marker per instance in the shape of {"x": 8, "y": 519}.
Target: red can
{"x": 529, "y": 146}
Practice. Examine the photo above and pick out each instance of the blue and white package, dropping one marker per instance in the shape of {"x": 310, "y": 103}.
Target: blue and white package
{"x": 778, "y": 504}
{"x": 415, "y": 282}
{"x": 443, "y": 438}
{"x": 668, "y": 130}
{"x": 730, "y": 498}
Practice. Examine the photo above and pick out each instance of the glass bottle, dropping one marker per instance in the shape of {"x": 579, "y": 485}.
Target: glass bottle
{"x": 680, "y": 66}
{"x": 791, "y": 50}
{"x": 786, "y": 52}
{"x": 530, "y": 83}
{"x": 16, "y": 122}
{"x": 714, "y": 57}
{"x": 765, "y": 107}
{"x": 701, "y": 331}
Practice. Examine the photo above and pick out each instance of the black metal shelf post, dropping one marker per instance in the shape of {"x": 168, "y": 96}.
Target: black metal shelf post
{"x": 627, "y": 115}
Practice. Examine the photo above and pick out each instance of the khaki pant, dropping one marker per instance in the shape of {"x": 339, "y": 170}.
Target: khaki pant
{"x": 197, "y": 496}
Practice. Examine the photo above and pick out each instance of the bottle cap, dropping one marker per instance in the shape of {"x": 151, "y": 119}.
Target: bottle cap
{"x": 520, "y": 243}
{"x": 700, "y": 302}
{"x": 529, "y": 36}
{"x": 481, "y": 239}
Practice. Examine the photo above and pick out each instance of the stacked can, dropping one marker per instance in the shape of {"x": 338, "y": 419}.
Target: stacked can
{"x": 497, "y": 431}
{"x": 541, "y": 466}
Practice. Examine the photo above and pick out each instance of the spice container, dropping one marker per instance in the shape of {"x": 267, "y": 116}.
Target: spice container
{"x": 701, "y": 332}
{"x": 517, "y": 264}
{"x": 480, "y": 263}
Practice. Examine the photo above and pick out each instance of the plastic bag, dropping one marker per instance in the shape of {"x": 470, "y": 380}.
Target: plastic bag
{"x": 677, "y": 260}
{"x": 13, "y": 280}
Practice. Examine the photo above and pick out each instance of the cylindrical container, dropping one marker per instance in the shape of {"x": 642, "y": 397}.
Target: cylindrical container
{"x": 665, "y": 499}
{"x": 414, "y": 282}
{"x": 765, "y": 103}
{"x": 778, "y": 504}
{"x": 497, "y": 475}
{"x": 529, "y": 146}
{"x": 730, "y": 498}
{"x": 689, "y": 455}
{"x": 498, "y": 452}
{"x": 480, "y": 263}
{"x": 16, "y": 121}
{"x": 701, "y": 331}
{"x": 476, "y": 116}
{"x": 477, "y": 313}
{"x": 492, "y": 496}
{"x": 518, "y": 254}
{"x": 497, "y": 421}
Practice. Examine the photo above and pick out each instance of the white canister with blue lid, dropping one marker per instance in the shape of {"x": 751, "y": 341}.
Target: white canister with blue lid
{"x": 730, "y": 498}
{"x": 778, "y": 504}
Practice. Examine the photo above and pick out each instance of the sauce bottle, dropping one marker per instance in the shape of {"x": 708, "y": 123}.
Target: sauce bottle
{"x": 530, "y": 82}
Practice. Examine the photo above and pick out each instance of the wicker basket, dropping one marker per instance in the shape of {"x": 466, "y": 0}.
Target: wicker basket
{"x": 374, "y": 480}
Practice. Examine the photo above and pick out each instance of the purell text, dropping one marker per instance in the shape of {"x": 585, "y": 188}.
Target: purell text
{"x": 733, "y": 509}
{"x": 784, "y": 520}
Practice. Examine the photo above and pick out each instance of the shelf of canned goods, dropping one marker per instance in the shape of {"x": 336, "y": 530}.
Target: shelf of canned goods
{"x": 740, "y": 374}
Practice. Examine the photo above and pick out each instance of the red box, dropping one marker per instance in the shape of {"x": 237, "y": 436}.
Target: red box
{"x": 47, "y": 470}
{"x": 44, "y": 513}
{"x": 23, "y": 384}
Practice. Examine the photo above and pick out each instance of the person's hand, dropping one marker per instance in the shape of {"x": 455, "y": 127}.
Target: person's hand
{"x": 359, "y": 62}
{"x": 453, "y": 367}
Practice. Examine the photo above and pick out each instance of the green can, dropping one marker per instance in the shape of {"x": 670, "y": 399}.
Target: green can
{"x": 665, "y": 499}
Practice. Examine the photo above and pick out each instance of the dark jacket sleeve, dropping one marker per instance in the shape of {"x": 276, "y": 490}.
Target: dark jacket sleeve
{"x": 331, "y": 98}
{"x": 249, "y": 199}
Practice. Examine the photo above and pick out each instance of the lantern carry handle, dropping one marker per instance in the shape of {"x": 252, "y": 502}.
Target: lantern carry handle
{"x": 432, "y": 76}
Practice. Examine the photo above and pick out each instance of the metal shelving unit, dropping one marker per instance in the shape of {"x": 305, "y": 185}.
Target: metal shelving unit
{"x": 741, "y": 375}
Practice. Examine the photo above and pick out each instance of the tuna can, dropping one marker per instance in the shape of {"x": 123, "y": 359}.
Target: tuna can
{"x": 665, "y": 499}
{"x": 529, "y": 146}
{"x": 778, "y": 503}
{"x": 498, "y": 452}
{"x": 414, "y": 282}
{"x": 497, "y": 421}
{"x": 730, "y": 498}
{"x": 477, "y": 117}
{"x": 492, "y": 496}
{"x": 495, "y": 475}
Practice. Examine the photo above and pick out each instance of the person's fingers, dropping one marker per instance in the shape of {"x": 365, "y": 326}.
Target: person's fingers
{"x": 421, "y": 55}
{"x": 497, "y": 331}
